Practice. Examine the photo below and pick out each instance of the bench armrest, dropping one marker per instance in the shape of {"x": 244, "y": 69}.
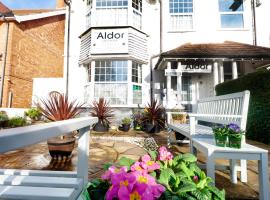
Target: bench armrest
{"x": 212, "y": 115}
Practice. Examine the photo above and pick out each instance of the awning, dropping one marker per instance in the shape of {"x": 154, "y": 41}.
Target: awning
{"x": 226, "y": 51}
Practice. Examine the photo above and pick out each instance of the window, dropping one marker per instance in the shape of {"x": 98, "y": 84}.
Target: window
{"x": 137, "y": 4}
{"x": 111, "y": 3}
{"x": 137, "y": 94}
{"x": 111, "y": 81}
{"x": 136, "y": 72}
{"x": 186, "y": 88}
{"x": 181, "y": 14}
{"x": 88, "y": 68}
{"x": 231, "y": 13}
{"x": 111, "y": 71}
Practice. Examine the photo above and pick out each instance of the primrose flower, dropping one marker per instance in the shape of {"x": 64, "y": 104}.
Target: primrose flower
{"x": 164, "y": 154}
{"x": 195, "y": 179}
{"x": 148, "y": 164}
{"x": 234, "y": 127}
{"x": 137, "y": 193}
{"x": 136, "y": 167}
{"x": 113, "y": 170}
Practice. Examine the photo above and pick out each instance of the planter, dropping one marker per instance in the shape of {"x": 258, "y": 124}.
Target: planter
{"x": 150, "y": 128}
{"x": 3, "y": 124}
{"x": 125, "y": 127}
{"x": 61, "y": 147}
{"x": 137, "y": 126}
{"x": 221, "y": 140}
{"x": 235, "y": 141}
{"x": 99, "y": 127}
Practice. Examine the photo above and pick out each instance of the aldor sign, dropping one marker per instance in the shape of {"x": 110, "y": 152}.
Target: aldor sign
{"x": 189, "y": 69}
{"x": 197, "y": 68}
{"x": 113, "y": 41}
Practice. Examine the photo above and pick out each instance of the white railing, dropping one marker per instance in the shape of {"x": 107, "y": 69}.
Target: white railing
{"x": 11, "y": 139}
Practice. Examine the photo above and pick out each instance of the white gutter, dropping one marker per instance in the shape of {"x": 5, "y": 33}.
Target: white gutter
{"x": 22, "y": 18}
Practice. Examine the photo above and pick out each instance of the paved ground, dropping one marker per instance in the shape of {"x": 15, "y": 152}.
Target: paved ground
{"x": 110, "y": 147}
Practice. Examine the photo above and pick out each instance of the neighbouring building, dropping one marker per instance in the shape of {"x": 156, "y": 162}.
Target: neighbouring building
{"x": 130, "y": 51}
{"x": 31, "y": 50}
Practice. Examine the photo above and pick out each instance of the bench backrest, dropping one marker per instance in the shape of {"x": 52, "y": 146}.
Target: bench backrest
{"x": 232, "y": 107}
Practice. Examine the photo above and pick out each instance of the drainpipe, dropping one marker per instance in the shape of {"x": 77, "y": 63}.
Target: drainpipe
{"x": 68, "y": 3}
{"x": 254, "y": 29}
{"x": 161, "y": 26}
{"x": 5, "y": 62}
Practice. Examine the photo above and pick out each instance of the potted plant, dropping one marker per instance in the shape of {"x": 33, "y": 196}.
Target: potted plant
{"x": 16, "y": 122}
{"x": 221, "y": 135}
{"x": 179, "y": 118}
{"x": 156, "y": 175}
{"x": 154, "y": 117}
{"x": 235, "y": 136}
{"x": 103, "y": 112}
{"x": 56, "y": 108}
{"x": 137, "y": 117}
{"x": 34, "y": 114}
{"x": 126, "y": 124}
{"x": 3, "y": 119}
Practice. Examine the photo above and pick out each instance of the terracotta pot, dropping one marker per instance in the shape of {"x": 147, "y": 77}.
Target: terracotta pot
{"x": 61, "y": 147}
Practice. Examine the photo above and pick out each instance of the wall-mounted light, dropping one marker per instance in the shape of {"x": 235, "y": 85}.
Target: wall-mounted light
{"x": 258, "y": 3}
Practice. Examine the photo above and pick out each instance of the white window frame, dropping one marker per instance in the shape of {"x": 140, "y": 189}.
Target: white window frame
{"x": 243, "y": 13}
{"x": 182, "y": 14}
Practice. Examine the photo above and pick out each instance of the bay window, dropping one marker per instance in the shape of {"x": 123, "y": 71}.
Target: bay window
{"x": 113, "y": 79}
{"x": 231, "y": 13}
{"x": 181, "y": 15}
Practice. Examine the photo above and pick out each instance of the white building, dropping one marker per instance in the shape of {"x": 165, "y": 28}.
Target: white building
{"x": 119, "y": 47}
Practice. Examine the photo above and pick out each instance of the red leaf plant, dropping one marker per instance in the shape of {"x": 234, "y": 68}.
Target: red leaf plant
{"x": 102, "y": 110}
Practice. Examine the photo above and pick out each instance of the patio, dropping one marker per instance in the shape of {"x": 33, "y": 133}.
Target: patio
{"x": 109, "y": 147}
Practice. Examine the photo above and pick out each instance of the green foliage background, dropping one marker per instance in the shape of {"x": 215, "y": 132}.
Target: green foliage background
{"x": 258, "y": 83}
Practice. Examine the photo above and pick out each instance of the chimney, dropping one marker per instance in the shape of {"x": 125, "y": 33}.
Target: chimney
{"x": 60, "y": 4}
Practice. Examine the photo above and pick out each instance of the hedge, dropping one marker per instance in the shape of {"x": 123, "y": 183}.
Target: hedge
{"x": 258, "y": 83}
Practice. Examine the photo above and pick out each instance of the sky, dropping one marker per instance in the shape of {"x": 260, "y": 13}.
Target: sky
{"x": 31, "y": 4}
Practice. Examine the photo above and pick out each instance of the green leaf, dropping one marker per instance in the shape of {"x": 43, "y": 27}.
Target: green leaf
{"x": 189, "y": 158}
{"x": 106, "y": 166}
{"x": 219, "y": 194}
{"x": 153, "y": 154}
{"x": 124, "y": 161}
{"x": 187, "y": 171}
{"x": 202, "y": 184}
{"x": 187, "y": 187}
{"x": 154, "y": 174}
{"x": 165, "y": 177}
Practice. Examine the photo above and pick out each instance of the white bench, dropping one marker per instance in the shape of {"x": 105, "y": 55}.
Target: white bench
{"x": 225, "y": 109}
{"x": 45, "y": 185}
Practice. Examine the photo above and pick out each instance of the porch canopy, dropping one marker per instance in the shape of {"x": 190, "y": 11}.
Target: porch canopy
{"x": 226, "y": 51}
{"x": 210, "y": 58}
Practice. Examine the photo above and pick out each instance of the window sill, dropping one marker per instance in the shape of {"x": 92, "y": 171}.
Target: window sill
{"x": 233, "y": 29}
{"x": 181, "y": 31}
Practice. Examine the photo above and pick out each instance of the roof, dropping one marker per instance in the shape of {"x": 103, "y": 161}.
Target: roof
{"x": 4, "y": 10}
{"x": 20, "y": 12}
{"x": 225, "y": 50}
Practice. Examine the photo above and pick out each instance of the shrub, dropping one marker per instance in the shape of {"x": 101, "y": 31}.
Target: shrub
{"x": 3, "y": 119}
{"x": 126, "y": 120}
{"x": 16, "y": 122}
{"x": 155, "y": 114}
{"x": 33, "y": 113}
{"x": 258, "y": 123}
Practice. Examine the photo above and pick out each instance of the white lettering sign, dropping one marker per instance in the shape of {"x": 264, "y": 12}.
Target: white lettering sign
{"x": 189, "y": 69}
{"x": 113, "y": 41}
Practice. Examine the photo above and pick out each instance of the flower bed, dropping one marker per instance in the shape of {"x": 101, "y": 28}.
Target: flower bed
{"x": 157, "y": 175}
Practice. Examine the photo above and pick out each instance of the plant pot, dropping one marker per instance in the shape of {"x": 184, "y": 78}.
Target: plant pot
{"x": 99, "y": 127}
{"x": 125, "y": 127}
{"x": 137, "y": 126}
{"x": 148, "y": 128}
{"x": 3, "y": 123}
{"x": 61, "y": 147}
{"x": 221, "y": 141}
{"x": 235, "y": 141}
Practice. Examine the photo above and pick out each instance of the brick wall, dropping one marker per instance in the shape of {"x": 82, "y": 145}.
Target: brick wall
{"x": 36, "y": 51}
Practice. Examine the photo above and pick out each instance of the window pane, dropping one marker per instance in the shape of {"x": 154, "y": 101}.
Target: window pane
{"x": 114, "y": 93}
{"x": 136, "y": 72}
{"x": 177, "y": 6}
{"x": 137, "y": 94}
{"x": 230, "y": 5}
{"x": 232, "y": 21}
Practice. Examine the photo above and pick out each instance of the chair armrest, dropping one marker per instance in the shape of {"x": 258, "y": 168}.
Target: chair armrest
{"x": 212, "y": 115}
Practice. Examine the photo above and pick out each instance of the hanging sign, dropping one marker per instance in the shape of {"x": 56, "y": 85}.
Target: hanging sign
{"x": 113, "y": 41}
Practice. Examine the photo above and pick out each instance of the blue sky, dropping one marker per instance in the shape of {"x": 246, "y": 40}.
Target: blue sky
{"x": 32, "y": 4}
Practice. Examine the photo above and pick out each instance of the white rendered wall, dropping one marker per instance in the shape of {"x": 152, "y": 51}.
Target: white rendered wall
{"x": 43, "y": 86}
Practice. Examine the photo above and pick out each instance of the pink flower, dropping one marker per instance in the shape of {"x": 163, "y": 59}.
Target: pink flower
{"x": 113, "y": 170}
{"x": 148, "y": 164}
{"x": 136, "y": 167}
{"x": 137, "y": 193}
{"x": 195, "y": 179}
{"x": 164, "y": 154}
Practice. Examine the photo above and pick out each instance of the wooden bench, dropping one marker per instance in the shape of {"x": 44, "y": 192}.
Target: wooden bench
{"x": 225, "y": 109}
{"x": 45, "y": 185}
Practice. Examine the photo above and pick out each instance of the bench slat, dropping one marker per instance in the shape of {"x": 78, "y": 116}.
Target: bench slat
{"x": 38, "y": 193}
{"x": 47, "y": 173}
{"x": 39, "y": 181}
